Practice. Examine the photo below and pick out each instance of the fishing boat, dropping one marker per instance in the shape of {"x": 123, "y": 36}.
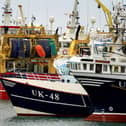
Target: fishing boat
{"x": 104, "y": 84}
{"x": 46, "y": 95}
{"x": 100, "y": 67}
{"x": 32, "y": 51}
{"x": 29, "y": 48}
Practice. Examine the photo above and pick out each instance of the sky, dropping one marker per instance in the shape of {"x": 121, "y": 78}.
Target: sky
{"x": 43, "y": 9}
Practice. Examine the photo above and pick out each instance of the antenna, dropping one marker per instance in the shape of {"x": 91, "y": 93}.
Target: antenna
{"x": 51, "y": 20}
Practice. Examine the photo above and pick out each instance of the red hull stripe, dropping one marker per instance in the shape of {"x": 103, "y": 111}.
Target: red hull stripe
{"x": 1, "y": 86}
{"x": 106, "y": 118}
{"x": 10, "y": 26}
{"x": 3, "y": 93}
{"x": 37, "y": 76}
{"x": 102, "y": 61}
{"x": 7, "y": 12}
{"x": 4, "y": 96}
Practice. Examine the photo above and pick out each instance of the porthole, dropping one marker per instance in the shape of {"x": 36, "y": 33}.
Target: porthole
{"x": 111, "y": 108}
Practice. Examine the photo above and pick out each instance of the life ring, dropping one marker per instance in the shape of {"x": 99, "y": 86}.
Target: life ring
{"x": 40, "y": 51}
{"x": 65, "y": 52}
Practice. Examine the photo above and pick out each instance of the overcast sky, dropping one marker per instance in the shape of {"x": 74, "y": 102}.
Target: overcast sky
{"x": 43, "y": 9}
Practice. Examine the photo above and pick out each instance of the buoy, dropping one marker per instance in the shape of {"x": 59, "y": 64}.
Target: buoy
{"x": 46, "y": 46}
{"x": 40, "y": 51}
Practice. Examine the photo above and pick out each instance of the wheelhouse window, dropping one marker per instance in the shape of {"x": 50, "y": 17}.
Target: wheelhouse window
{"x": 105, "y": 68}
{"x": 91, "y": 67}
{"x": 72, "y": 65}
{"x": 85, "y": 51}
{"x": 66, "y": 44}
{"x": 116, "y": 68}
{"x": 122, "y": 69}
{"x": 84, "y": 66}
{"x": 78, "y": 66}
{"x": 75, "y": 66}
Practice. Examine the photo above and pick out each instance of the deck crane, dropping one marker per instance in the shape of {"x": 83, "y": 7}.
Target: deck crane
{"x": 72, "y": 24}
{"x": 107, "y": 14}
{"x": 22, "y": 15}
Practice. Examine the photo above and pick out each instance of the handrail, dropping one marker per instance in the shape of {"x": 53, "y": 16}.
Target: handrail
{"x": 33, "y": 76}
{"x": 36, "y": 76}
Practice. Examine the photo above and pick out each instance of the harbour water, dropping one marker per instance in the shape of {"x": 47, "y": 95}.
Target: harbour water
{"x": 9, "y": 118}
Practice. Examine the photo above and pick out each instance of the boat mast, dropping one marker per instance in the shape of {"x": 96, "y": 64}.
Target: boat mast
{"x": 22, "y": 15}
{"x": 74, "y": 17}
{"x": 7, "y": 13}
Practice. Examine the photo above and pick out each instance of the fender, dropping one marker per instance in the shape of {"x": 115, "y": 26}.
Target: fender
{"x": 40, "y": 51}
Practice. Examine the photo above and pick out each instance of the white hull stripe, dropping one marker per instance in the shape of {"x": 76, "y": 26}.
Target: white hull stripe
{"x": 108, "y": 76}
{"x": 96, "y": 80}
{"x": 95, "y": 85}
{"x": 66, "y": 104}
{"x": 2, "y": 91}
{"x": 58, "y": 86}
{"x": 91, "y": 82}
{"x": 105, "y": 113}
{"x": 20, "y": 110}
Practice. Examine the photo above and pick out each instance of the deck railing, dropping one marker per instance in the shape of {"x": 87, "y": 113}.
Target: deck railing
{"x": 33, "y": 76}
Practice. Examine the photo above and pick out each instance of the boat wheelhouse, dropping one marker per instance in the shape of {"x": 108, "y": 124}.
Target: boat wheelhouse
{"x": 97, "y": 66}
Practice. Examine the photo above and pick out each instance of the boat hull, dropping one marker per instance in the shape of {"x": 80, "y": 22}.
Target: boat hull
{"x": 107, "y": 95}
{"x": 38, "y": 100}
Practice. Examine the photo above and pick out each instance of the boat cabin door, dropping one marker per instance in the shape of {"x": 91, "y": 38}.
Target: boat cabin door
{"x": 98, "y": 68}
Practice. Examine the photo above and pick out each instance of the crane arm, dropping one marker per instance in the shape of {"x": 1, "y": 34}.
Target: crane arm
{"x": 74, "y": 16}
{"x": 21, "y": 14}
{"x": 107, "y": 14}
{"x": 75, "y": 11}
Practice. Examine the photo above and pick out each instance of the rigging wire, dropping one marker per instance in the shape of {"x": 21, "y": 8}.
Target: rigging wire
{"x": 88, "y": 13}
{"x": 47, "y": 13}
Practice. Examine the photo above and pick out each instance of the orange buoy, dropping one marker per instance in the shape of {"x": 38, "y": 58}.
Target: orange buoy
{"x": 40, "y": 51}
